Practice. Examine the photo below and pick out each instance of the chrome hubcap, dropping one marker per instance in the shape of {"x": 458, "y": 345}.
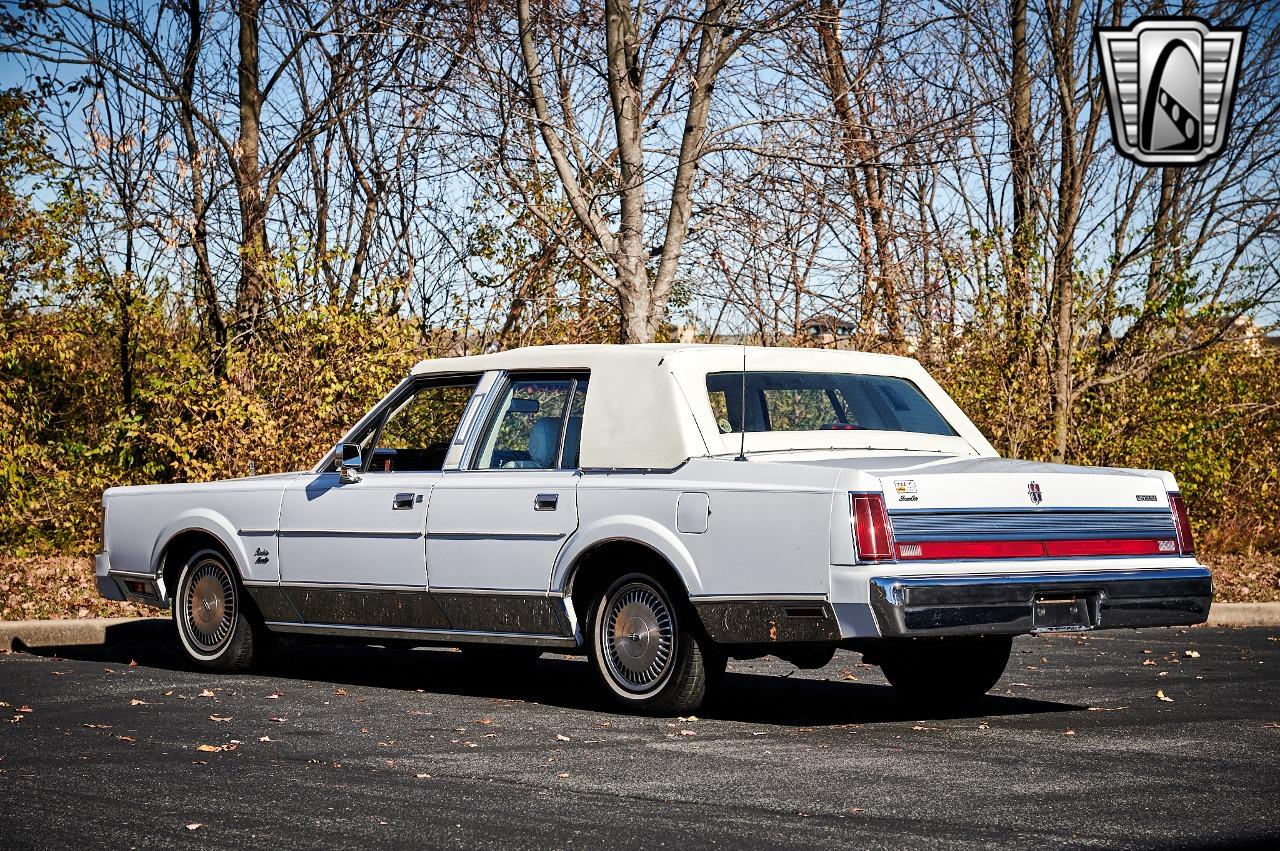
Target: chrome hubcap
{"x": 209, "y": 605}
{"x": 637, "y": 636}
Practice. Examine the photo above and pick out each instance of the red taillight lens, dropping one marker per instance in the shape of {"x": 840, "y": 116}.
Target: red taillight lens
{"x": 1182, "y": 522}
{"x": 871, "y": 527}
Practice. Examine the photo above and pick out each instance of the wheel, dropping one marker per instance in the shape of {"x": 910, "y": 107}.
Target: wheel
{"x": 945, "y": 671}
{"x": 641, "y": 652}
{"x": 215, "y": 627}
{"x": 499, "y": 656}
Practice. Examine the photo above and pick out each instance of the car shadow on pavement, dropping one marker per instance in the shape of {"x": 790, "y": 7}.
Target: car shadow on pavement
{"x": 554, "y": 680}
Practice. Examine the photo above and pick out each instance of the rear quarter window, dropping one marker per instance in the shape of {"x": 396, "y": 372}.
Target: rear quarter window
{"x": 815, "y": 401}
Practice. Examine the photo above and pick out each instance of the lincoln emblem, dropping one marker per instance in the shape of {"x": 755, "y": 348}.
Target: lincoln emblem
{"x": 1033, "y": 491}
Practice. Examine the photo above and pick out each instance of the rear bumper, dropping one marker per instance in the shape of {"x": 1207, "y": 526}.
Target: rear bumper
{"x": 1018, "y": 603}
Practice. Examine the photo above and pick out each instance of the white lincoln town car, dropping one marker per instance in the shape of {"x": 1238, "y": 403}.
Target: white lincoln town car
{"x": 660, "y": 509}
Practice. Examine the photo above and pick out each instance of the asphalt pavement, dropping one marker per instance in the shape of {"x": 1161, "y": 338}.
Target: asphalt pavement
{"x": 1153, "y": 739}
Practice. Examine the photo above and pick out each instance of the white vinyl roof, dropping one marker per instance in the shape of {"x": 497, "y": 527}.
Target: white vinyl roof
{"x": 647, "y": 405}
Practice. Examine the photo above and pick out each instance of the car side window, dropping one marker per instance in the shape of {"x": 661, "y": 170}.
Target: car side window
{"x": 535, "y": 420}
{"x": 416, "y": 434}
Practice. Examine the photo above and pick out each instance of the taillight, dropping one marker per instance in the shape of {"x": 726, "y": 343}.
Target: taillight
{"x": 1182, "y": 522}
{"x": 871, "y": 527}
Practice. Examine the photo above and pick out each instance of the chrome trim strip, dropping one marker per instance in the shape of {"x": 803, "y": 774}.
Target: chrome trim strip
{"x": 757, "y": 598}
{"x": 341, "y": 586}
{"x": 444, "y": 636}
{"x": 520, "y": 536}
{"x": 334, "y": 533}
{"x": 131, "y": 574}
{"x": 1004, "y": 604}
{"x": 497, "y": 592}
{"x": 927, "y": 525}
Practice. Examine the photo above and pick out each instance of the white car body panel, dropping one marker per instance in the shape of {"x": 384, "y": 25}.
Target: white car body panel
{"x": 763, "y": 546}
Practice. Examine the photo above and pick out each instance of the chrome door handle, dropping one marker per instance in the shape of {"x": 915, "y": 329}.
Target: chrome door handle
{"x": 402, "y": 502}
{"x": 546, "y": 501}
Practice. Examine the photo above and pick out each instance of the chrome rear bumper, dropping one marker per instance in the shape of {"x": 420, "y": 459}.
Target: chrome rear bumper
{"x": 1023, "y": 603}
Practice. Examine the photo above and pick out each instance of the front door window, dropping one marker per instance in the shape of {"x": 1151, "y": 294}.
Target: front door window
{"x": 537, "y": 426}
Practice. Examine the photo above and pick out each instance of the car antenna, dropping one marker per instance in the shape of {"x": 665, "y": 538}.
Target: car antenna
{"x": 742, "y": 409}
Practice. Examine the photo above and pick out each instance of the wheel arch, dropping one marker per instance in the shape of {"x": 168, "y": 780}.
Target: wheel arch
{"x": 188, "y": 534}
{"x": 593, "y": 566}
{"x": 638, "y": 535}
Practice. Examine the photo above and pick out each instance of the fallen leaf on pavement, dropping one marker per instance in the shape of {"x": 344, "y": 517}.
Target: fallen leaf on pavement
{"x": 423, "y": 776}
{"x": 126, "y": 738}
{"x": 563, "y": 775}
{"x": 133, "y": 663}
{"x": 1106, "y": 708}
{"x": 97, "y": 726}
{"x": 206, "y": 693}
{"x": 688, "y": 733}
{"x": 1161, "y": 696}
{"x": 561, "y": 738}
{"x": 137, "y": 702}
{"x": 1068, "y": 732}
{"x": 264, "y": 738}
{"x": 1192, "y": 654}
{"x": 340, "y": 692}
{"x": 221, "y": 718}
{"x": 279, "y": 720}
{"x": 230, "y": 746}
{"x": 195, "y": 825}
{"x": 275, "y": 695}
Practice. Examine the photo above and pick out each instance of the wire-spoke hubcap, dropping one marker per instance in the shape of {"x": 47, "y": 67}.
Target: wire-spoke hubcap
{"x": 209, "y": 605}
{"x": 637, "y": 635}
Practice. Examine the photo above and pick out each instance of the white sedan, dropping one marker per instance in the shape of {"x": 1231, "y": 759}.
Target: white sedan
{"x": 662, "y": 508}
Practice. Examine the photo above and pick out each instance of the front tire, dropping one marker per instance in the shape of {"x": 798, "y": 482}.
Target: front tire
{"x": 211, "y": 612}
{"x": 642, "y": 652}
{"x": 946, "y": 671}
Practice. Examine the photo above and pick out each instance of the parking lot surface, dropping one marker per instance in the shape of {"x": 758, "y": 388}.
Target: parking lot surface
{"x": 1153, "y": 739}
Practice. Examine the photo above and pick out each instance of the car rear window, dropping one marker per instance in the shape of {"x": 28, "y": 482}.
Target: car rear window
{"x": 821, "y": 401}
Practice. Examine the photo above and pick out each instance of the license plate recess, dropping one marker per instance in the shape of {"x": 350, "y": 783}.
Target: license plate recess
{"x": 1054, "y": 611}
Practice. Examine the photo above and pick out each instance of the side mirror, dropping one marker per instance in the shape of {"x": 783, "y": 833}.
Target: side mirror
{"x": 349, "y": 470}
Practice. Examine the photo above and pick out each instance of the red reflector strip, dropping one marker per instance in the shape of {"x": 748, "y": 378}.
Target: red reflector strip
{"x": 1032, "y": 549}
{"x": 1103, "y": 548}
{"x": 972, "y": 549}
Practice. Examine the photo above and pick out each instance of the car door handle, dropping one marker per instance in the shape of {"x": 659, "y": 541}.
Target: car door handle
{"x": 402, "y": 502}
{"x": 546, "y": 501}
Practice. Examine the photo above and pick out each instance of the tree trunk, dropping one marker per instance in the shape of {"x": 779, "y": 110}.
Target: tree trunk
{"x": 625, "y": 79}
{"x": 1021, "y": 144}
{"x": 254, "y": 252}
{"x": 206, "y": 289}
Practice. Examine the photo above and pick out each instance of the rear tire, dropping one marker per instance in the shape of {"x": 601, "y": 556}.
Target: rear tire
{"x": 945, "y": 671}
{"x": 648, "y": 653}
{"x": 217, "y": 628}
